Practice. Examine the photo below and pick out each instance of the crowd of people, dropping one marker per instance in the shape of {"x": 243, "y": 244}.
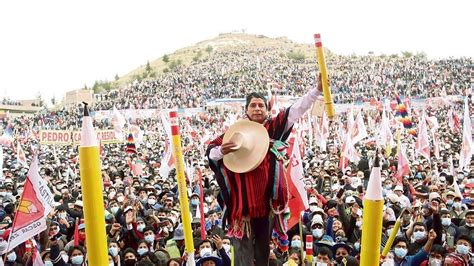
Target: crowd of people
{"x": 143, "y": 219}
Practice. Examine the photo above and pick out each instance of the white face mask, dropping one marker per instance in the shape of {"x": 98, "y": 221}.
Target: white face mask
{"x": 226, "y": 247}
{"x": 312, "y": 208}
{"x": 140, "y": 227}
{"x": 446, "y": 221}
{"x": 205, "y": 252}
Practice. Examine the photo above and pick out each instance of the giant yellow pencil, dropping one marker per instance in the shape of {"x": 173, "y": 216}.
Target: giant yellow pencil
{"x": 372, "y": 220}
{"x": 183, "y": 196}
{"x": 392, "y": 236}
{"x": 324, "y": 76}
{"x": 91, "y": 180}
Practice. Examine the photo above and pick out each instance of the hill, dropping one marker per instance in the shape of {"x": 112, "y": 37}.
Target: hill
{"x": 226, "y": 41}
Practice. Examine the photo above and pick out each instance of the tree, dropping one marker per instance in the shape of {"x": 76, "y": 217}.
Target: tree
{"x": 209, "y": 49}
{"x": 53, "y": 100}
{"x": 407, "y": 54}
{"x": 148, "y": 68}
{"x": 116, "y": 77}
{"x": 166, "y": 58}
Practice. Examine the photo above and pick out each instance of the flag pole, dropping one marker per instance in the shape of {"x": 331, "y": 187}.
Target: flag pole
{"x": 183, "y": 197}
{"x": 91, "y": 181}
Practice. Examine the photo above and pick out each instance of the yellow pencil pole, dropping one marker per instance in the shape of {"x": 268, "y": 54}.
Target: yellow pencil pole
{"x": 391, "y": 238}
{"x": 324, "y": 76}
{"x": 183, "y": 196}
{"x": 91, "y": 181}
{"x": 372, "y": 219}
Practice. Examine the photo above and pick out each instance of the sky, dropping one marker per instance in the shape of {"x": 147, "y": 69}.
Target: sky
{"x": 50, "y": 47}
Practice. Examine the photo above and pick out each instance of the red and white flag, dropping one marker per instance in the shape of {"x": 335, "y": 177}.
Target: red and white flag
{"x": 385, "y": 136}
{"x": 20, "y": 154}
{"x": 167, "y": 163}
{"x": 466, "y": 147}
{"x": 433, "y": 122}
{"x": 403, "y": 167}
{"x": 118, "y": 121}
{"x": 298, "y": 198}
{"x": 35, "y": 204}
{"x": 422, "y": 145}
{"x": 358, "y": 131}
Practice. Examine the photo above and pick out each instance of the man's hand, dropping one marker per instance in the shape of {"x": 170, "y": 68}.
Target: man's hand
{"x": 228, "y": 147}
{"x": 431, "y": 235}
{"x": 434, "y": 207}
{"x": 218, "y": 241}
{"x": 320, "y": 83}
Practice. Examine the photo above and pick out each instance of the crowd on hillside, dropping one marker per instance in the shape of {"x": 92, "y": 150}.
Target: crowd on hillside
{"x": 141, "y": 200}
{"x": 233, "y": 74}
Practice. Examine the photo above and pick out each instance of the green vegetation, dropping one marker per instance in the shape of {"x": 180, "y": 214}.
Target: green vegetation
{"x": 296, "y": 55}
{"x": 166, "y": 58}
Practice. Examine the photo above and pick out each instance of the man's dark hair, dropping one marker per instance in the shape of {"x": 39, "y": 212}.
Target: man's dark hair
{"x": 438, "y": 249}
{"x": 399, "y": 239}
{"x": 420, "y": 224}
{"x": 204, "y": 241}
{"x": 325, "y": 251}
{"x": 255, "y": 95}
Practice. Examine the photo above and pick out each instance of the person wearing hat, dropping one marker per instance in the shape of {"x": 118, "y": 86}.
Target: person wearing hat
{"x": 402, "y": 199}
{"x": 245, "y": 165}
{"x": 175, "y": 246}
{"x": 341, "y": 250}
{"x": 458, "y": 213}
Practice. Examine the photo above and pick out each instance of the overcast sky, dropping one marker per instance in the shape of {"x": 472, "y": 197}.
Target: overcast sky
{"x": 55, "y": 46}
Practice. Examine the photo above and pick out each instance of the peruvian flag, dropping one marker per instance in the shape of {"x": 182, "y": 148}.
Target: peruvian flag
{"x": 422, "y": 145}
{"x": 35, "y": 204}
{"x": 403, "y": 166}
{"x": 167, "y": 163}
{"x": 298, "y": 198}
{"x": 467, "y": 147}
{"x": 20, "y": 154}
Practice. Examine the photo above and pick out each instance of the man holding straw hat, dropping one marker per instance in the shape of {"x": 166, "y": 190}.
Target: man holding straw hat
{"x": 248, "y": 163}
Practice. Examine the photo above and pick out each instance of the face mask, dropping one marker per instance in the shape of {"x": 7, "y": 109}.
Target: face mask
{"x": 446, "y": 221}
{"x": 151, "y": 202}
{"x": 205, "y": 209}
{"x": 48, "y": 263}
{"x": 77, "y": 259}
{"x": 389, "y": 231}
{"x": 120, "y": 198}
{"x": 195, "y": 202}
{"x": 435, "y": 262}
{"x": 62, "y": 215}
{"x": 400, "y": 252}
{"x": 312, "y": 208}
{"x": 388, "y": 187}
{"x": 142, "y": 251}
{"x": 296, "y": 243}
{"x": 65, "y": 257}
{"x": 113, "y": 251}
{"x": 461, "y": 249}
{"x": 150, "y": 238}
{"x": 11, "y": 257}
{"x": 359, "y": 223}
{"x": 111, "y": 263}
{"x": 140, "y": 227}
{"x": 208, "y": 199}
{"x": 130, "y": 262}
{"x": 419, "y": 235}
{"x": 20, "y": 191}
{"x": 449, "y": 202}
{"x": 114, "y": 210}
{"x": 388, "y": 262}
{"x": 144, "y": 200}
{"x": 457, "y": 205}
{"x": 317, "y": 233}
{"x": 321, "y": 264}
{"x": 357, "y": 246}
{"x": 205, "y": 252}
{"x": 226, "y": 247}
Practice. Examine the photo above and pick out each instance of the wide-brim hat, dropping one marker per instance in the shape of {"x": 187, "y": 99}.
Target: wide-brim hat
{"x": 252, "y": 142}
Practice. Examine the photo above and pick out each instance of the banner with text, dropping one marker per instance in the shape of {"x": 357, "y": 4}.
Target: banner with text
{"x": 65, "y": 137}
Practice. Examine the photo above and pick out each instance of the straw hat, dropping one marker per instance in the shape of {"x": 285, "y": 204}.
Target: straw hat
{"x": 252, "y": 146}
